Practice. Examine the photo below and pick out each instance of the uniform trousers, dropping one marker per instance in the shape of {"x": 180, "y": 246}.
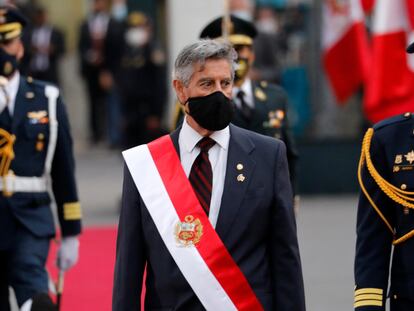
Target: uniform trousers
{"x": 22, "y": 266}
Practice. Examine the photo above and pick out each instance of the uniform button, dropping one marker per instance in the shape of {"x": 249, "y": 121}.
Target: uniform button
{"x": 407, "y": 114}
{"x": 395, "y": 296}
{"x": 403, "y": 186}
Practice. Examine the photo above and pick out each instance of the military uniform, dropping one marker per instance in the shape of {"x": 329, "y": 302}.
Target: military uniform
{"x": 386, "y": 217}
{"x": 269, "y": 117}
{"x": 25, "y": 212}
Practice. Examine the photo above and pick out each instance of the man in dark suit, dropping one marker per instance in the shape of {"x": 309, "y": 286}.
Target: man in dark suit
{"x": 208, "y": 209}
{"x": 261, "y": 107}
{"x": 44, "y": 48}
{"x": 35, "y": 145}
{"x": 92, "y": 46}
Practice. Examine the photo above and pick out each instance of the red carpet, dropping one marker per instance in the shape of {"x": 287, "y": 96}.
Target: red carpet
{"x": 88, "y": 285}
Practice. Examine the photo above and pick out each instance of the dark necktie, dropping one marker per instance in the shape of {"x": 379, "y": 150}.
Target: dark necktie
{"x": 5, "y": 118}
{"x": 245, "y": 108}
{"x": 201, "y": 174}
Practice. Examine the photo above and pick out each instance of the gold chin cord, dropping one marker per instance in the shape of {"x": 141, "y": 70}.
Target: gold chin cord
{"x": 401, "y": 197}
{"x": 6, "y": 155}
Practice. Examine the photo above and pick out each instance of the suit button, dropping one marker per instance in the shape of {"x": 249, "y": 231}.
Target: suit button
{"x": 403, "y": 186}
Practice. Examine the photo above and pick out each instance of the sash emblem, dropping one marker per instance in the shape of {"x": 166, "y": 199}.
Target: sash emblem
{"x": 189, "y": 232}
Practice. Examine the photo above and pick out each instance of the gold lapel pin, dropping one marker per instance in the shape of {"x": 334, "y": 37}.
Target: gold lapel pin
{"x": 30, "y": 95}
{"x": 239, "y": 166}
{"x": 240, "y": 178}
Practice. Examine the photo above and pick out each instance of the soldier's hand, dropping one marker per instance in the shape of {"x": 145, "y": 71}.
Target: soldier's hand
{"x": 68, "y": 253}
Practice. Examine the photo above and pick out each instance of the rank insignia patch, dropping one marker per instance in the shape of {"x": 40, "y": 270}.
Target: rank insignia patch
{"x": 38, "y": 117}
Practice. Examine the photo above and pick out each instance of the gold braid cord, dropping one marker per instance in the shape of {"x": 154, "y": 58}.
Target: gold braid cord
{"x": 6, "y": 151}
{"x": 397, "y": 195}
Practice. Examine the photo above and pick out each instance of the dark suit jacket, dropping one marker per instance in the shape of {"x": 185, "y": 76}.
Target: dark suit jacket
{"x": 32, "y": 210}
{"x": 255, "y": 223}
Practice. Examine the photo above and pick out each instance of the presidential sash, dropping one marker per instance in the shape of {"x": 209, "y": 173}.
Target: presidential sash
{"x": 185, "y": 229}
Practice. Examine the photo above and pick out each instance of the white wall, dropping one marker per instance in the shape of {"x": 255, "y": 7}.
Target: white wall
{"x": 185, "y": 20}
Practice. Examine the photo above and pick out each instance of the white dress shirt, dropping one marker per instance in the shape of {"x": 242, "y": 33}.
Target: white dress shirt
{"x": 246, "y": 87}
{"x": 11, "y": 89}
{"x": 187, "y": 141}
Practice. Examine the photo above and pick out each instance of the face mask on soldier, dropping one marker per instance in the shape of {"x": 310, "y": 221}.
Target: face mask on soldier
{"x": 137, "y": 36}
{"x": 267, "y": 26}
{"x": 8, "y": 64}
{"x": 242, "y": 68}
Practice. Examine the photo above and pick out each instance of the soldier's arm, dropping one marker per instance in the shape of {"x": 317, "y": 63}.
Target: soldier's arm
{"x": 291, "y": 149}
{"x": 374, "y": 238}
{"x": 63, "y": 177}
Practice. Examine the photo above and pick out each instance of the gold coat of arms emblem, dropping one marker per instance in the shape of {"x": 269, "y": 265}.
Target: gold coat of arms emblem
{"x": 189, "y": 232}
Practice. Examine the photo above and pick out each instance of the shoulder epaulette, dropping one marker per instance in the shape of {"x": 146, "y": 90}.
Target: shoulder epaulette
{"x": 396, "y": 119}
{"x": 264, "y": 84}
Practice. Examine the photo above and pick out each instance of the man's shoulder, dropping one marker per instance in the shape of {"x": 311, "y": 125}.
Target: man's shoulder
{"x": 268, "y": 87}
{"x": 393, "y": 122}
{"x": 36, "y": 85}
{"x": 254, "y": 137}
{"x": 267, "y": 92}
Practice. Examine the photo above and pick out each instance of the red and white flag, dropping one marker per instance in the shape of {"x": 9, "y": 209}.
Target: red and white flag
{"x": 390, "y": 87}
{"x": 368, "y": 5}
{"x": 345, "y": 46}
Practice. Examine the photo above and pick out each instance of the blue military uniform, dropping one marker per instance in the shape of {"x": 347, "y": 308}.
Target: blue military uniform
{"x": 35, "y": 156}
{"x": 25, "y": 213}
{"x": 386, "y": 217}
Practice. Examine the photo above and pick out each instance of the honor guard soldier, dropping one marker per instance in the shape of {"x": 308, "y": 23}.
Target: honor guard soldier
{"x": 386, "y": 217}
{"x": 259, "y": 106}
{"x": 35, "y": 156}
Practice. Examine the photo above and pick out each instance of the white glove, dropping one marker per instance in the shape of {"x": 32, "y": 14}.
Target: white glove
{"x": 68, "y": 252}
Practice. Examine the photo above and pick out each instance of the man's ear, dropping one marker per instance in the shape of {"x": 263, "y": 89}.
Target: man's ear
{"x": 180, "y": 91}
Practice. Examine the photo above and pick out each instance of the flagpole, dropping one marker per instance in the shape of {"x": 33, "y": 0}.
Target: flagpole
{"x": 226, "y": 20}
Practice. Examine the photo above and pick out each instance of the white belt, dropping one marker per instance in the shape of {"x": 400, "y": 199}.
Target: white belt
{"x": 11, "y": 183}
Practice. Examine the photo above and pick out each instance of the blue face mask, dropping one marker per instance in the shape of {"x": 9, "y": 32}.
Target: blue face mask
{"x": 212, "y": 112}
{"x": 8, "y": 64}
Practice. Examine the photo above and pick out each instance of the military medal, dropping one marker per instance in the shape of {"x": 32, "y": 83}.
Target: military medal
{"x": 189, "y": 232}
{"x": 40, "y": 143}
{"x": 410, "y": 156}
{"x": 260, "y": 94}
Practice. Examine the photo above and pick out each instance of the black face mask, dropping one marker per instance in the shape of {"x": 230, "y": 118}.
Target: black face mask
{"x": 8, "y": 64}
{"x": 212, "y": 112}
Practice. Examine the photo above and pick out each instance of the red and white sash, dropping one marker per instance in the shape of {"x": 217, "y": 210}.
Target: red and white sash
{"x": 185, "y": 229}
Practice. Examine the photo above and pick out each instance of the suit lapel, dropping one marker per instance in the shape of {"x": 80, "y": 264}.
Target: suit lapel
{"x": 240, "y": 148}
{"x": 174, "y": 137}
{"x": 20, "y": 104}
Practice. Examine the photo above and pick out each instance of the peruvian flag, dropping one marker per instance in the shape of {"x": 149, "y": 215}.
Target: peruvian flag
{"x": 368, "y": 5}
{"x": 390, "y": 87}
{"x": 345, "y": 46}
